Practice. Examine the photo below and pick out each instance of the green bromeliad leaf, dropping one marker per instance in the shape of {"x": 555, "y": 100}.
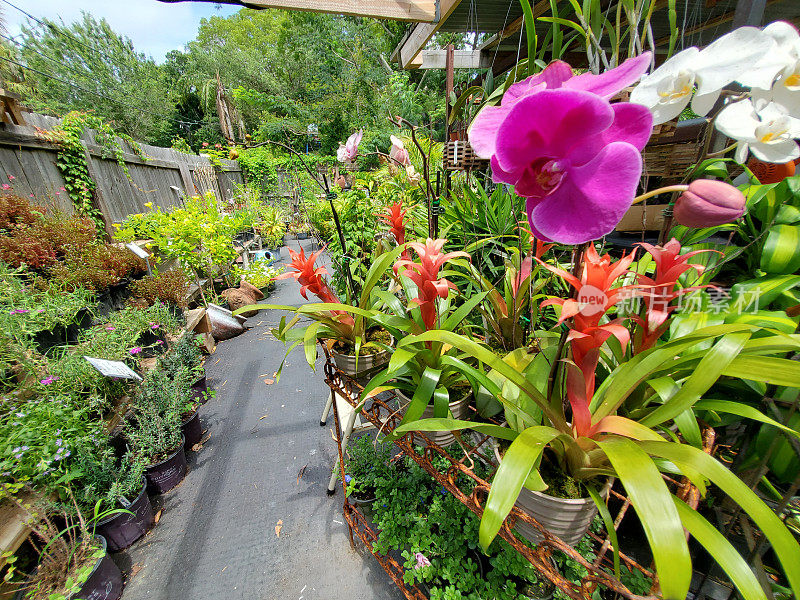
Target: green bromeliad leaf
{"x": 781, "y": 252}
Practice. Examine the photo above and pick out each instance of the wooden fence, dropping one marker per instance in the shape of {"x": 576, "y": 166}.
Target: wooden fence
{"x": 28, "y": 165}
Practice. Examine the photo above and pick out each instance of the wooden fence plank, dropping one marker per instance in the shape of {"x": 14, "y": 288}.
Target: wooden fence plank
{"x": 31, "y": 160}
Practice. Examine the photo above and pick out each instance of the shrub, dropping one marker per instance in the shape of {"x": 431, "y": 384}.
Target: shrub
{"x": 169, "y": 287}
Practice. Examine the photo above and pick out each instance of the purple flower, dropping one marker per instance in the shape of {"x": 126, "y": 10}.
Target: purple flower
{"x": 19, "y": 311}
{"x": 48, "y": 380}
{"x": 159, "y": 342}
{"x": 154, "y": 325}
{"x": 110, "y": 328}
{"x": 573, "y": 155}
{"x": 421, "y": 560}
{"x": 347, "y": 478}
{"x": 135, "y": 350}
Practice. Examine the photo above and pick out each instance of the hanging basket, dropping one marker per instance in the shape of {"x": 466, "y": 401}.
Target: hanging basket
{"x": 459, "y": 156}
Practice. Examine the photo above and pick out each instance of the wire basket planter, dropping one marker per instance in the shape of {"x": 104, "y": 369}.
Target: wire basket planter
{"x": 385, "y": 417}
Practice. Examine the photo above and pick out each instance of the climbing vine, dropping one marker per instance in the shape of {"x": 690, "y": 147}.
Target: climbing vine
{"x": 72, "y": 158}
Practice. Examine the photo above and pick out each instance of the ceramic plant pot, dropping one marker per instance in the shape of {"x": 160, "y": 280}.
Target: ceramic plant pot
{"x": 166, "y": 474}
{"x": 566, "y": 518}
{"x": 458, "y": 408}
{"x": 123, "y": 529}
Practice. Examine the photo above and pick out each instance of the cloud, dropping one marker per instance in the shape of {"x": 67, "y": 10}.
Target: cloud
{"x": 154, "y": 27}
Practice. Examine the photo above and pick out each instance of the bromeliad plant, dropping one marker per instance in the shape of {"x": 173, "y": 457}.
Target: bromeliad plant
{"x": 619, "y": 427}
{"x": 334, "y": 321}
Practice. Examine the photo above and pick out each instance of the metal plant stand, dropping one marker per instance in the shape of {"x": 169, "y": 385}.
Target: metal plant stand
{"x": 379, "y": 412}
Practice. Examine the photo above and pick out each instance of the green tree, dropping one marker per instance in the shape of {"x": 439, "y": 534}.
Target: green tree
{"x": 87, "y": 66}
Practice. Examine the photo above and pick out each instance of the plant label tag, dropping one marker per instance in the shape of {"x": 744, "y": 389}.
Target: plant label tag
{"x": 112, "y": 368}
{"x": 140, "y": 252}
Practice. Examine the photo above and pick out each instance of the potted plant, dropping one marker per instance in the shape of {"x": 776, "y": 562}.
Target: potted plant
{"x": 73, "y": 561}
{"x": 431, "y": 378}
{"x": 259, "y": 273}
{"x": 155, "y": 434}
{"x": 357, "y": 344}
{"x": 271, "y": 226}
{"x": 126, "y": 488}
{"x": 365, "y": 464}
{"x": 588, "y": 431}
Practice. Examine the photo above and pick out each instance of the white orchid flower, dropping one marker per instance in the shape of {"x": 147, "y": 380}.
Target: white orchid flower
{"x": 782, "y": 63}
{"x": 768, "y": 132}
{"x": 668, "y": 89}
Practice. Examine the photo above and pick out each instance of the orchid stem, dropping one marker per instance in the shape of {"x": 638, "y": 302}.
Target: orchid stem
{"x": 664, "y": 190}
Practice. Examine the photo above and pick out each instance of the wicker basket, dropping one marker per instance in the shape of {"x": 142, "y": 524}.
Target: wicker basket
{"x": 459, "y": 156}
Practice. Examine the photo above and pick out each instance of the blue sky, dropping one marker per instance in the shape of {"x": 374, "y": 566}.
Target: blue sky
{"x": 155, "y": 27}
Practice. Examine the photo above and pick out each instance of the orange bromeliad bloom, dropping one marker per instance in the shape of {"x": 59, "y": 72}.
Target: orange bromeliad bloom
{"x": 309, "y": 277}
{"x": 394, "y": 217}
{"x": 425, "y": 276}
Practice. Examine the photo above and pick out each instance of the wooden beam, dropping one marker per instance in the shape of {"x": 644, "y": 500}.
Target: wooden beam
{"x": 462, "y": 59}
{"x": 407, "y": 50}
{"x": 421, "y": 11}
{"x": 509, "y": 30}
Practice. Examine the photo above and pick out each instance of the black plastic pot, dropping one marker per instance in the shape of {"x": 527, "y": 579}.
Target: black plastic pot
{"x": 103, "y": 583}
{"x": 148, "y": 340}
{"x": 46, "y": 339}
{"x": 122, "y": 530}
{"x": 83, "y": 320}
{"x": 192, "y": 430}
{"x": 166, "y": 474}
{"x": 199, "y": 390}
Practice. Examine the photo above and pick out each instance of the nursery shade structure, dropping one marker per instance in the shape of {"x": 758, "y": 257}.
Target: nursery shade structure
{"x": 498, "y": 23}
{"x": 421, "y": 11}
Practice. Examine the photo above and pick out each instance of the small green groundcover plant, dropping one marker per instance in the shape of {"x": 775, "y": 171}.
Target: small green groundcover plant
{"x": 436, "y": 534}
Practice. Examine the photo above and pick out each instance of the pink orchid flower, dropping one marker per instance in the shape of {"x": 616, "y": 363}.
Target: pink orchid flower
{"x": 573, "y": 155}
{"x": 557, "y": 75}
{"x": 6, "y": 186}
{"x": 398, "y": 152}
{"x": 349, "y": 151}
{"x": 11, "y": 178}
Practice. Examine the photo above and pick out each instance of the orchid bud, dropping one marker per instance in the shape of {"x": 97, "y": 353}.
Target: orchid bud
{"x": 708, "y": 203}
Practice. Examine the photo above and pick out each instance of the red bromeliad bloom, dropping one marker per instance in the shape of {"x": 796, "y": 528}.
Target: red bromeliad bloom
{"x": 425, "y": 276}
{"x": 394, "y": 217}
{"x": 658, "y": 291}
{"x": 595, "y": 295}
{"x": 309, "y": 278}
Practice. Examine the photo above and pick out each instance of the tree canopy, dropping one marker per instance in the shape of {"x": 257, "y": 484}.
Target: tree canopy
{"x": 281, "y": 71}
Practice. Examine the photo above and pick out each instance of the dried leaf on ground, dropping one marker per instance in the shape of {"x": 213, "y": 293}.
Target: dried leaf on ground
{"x": 278, "y": 528}
{"x": 199, "y": 444}
{"x": 262, "y": 418}
{"x": 158, "y": 515}
{"x": 301, "y": 473}
{"x": 269, "y": 381}
{"x": 135, "y": 569}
